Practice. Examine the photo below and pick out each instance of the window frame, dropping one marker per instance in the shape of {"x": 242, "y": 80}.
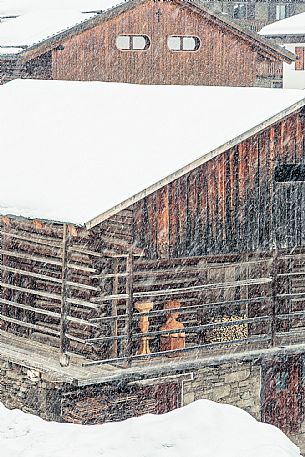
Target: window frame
{"x": 289, "y": 173}
{"x": 182, "y": 37}
{"x": 131, "y": 45}
{"x": 300, "y": 54}
{"x": 279, "y": 8}
{"x": 282, "y": 379}
{"x": 237, "y": 6}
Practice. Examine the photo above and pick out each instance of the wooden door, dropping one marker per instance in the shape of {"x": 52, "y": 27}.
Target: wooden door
{"x": 282, "y": 393}
{"x": 289, "y": 206}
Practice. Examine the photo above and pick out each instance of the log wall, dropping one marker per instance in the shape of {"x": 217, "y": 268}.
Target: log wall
{"x": 39, "y": 67}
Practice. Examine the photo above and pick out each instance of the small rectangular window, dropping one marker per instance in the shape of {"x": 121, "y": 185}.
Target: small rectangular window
{"x": 282, "y": 380}
{"x": 299, "y": 63}
{"x": 188, "y": 43}
{"x": 174, "y": 43}
{"x": 183, "y": 43}
{"x": 303, "y": 370}
{"x": 132, "y": 42}
{"x": 240, "y": 11}
{"x": 289, "y": 172}
{"x": 139, "y": 42}
{"x": 281, "y": 12}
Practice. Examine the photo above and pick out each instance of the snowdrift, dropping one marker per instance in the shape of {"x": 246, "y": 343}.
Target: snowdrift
{"x": 201, "y": 429}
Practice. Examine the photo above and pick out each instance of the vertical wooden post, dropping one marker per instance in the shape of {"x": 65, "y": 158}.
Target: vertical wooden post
{"x": 5, "y": 293}
{"x": 274, "y": 285}
{"x": 129, "y": 306}
{"x": 114, "y": 304}
{"x": 64, "y": 342}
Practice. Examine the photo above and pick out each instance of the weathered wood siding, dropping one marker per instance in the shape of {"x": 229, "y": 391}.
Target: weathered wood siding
{"x": 223, "y": 58}
{"x": 39, "y": 67}
{"x": 228, "y": 204}
{"x": 283, "y": 392}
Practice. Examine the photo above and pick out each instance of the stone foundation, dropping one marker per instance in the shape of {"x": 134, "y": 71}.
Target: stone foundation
{"x": 236, "y": 383}
{"x": 23, "y": 388}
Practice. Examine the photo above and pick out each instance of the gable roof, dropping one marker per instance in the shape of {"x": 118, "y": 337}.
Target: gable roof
{"x": 32, "y": 28}
{"x": 11, "y": 8}
{"x": 293, "y": 25}
{"x": 75, "y": 150}
{"x": 116, "y": 7}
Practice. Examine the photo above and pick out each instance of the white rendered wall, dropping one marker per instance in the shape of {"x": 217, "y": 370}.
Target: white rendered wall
{"x": 293, "y": 79}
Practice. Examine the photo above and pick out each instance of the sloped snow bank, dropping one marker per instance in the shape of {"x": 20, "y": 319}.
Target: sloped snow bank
{"x": 201, "y": 429}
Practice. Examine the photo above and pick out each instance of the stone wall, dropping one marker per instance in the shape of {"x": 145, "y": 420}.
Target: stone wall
{"x": 235, "y": 384}
{"x": 23, "y": 388}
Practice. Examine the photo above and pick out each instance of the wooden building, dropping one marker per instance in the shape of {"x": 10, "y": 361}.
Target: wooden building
{"x": 257, "y": 14}
{"x": 141, "y": 41}
{"x": 290, "y": 33}
{"x": 192, "y": 275}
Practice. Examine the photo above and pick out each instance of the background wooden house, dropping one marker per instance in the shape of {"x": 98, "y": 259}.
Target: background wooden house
{"x": 290, "y": 33}
{"x": 257, "y": 14}
{"x": 168, "y": 42}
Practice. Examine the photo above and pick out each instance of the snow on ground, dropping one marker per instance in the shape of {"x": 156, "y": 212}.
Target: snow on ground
{"x": 201, "y": 429}
{"x": 289, "y": 26}
{"x": 18, "y": 7}
{"x": 73, "y": 150}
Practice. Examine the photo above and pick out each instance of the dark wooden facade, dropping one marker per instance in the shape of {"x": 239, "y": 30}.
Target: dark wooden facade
{"x": 283, "y": 393}
{"x": 231, "y": 203}
{"x": 227, "y": 56}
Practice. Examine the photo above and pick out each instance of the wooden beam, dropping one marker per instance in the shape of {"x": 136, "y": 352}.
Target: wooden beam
{"x": 45, "y": 330}
{"x": 45, "y": 260}
{"x": 29, "y": 234}
{"x": 45, "y": 312}
{"x": 129, "y": 307}
{"x": 191, "y": 289}
{"x": 114, "y": 308}
{"x": 46, "y": 278}
{"x": 207, "y": 346}
{"x": 32, "y": 239}
{"x": 65, "y": 308}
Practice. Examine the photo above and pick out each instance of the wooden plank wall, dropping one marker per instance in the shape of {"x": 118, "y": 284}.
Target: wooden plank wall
{"x": 226, "y": 205}
{"x": 222, "y": 59}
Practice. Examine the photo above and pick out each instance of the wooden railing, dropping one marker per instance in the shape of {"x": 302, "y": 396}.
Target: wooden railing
{"x": 224, "y": 303}
{"x": 119, "y": 308}
{"x": 221, "y": 302}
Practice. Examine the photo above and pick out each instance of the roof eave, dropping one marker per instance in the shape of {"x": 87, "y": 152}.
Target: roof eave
{"x": 53, "y": 41}
{"x": 188, "y": 168}
{"x": 260, "y": 41}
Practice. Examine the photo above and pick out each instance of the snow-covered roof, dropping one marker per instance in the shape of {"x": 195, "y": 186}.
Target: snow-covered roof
{"x": 202, "y": 428}
{"x": 40, "y": 20}
{"x": 294, "y": 25}
{"x": 57, "y": 23}
{"x": 73, "y": 150}
{"x": 34, "y": 27}
{"x": 20, "y": 7}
